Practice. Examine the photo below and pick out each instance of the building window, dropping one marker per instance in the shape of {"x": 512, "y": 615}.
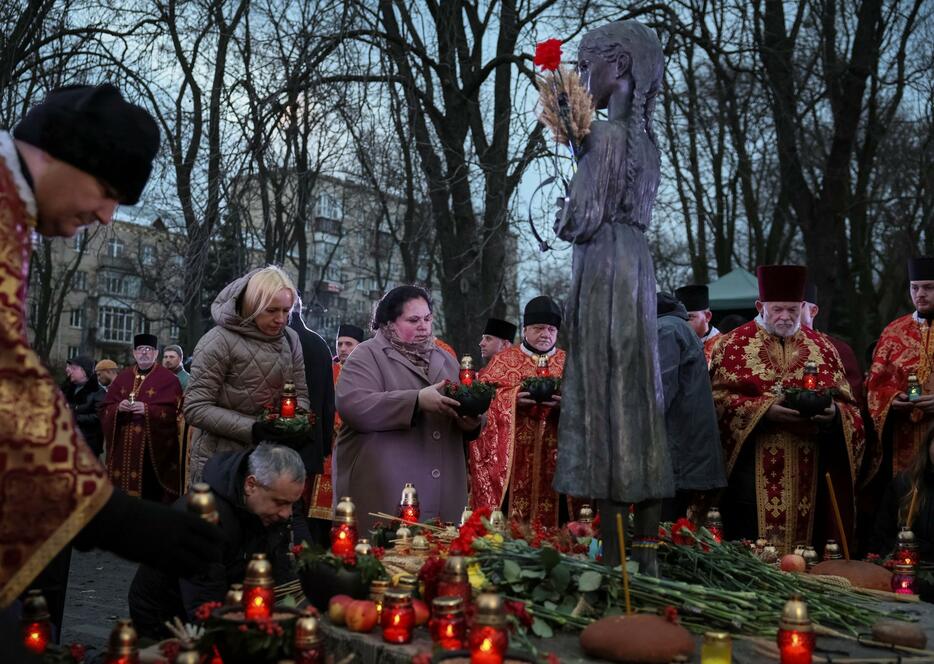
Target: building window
{"x": 174, "y": 332}
{"x": 80, "y": 238}
{"x": 80, "y": 281}
{"x": 114, "y": 284}
{"x": 76, "y": 319}
{"x": 148, "y": 254}
{"x": 115, "y": 324}
{"x": 329, "y": 207}
{"x": 115, "y": 247}
{"x": 145, "y": 325}
{"x": 73, "y": 352}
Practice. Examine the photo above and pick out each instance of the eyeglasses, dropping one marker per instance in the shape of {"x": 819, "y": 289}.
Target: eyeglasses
{"x": 145, "y": 349}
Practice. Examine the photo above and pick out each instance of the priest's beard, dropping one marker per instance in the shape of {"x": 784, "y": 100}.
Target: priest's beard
{"x": 783, "y": 331}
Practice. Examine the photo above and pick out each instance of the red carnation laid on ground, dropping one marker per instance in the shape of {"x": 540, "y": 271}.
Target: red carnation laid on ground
{"x": 548, "y": 54}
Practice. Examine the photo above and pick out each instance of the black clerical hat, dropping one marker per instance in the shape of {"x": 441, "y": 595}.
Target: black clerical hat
{"x": 145, "y": 340}
{"x": 352, "y": 331}
{"x": 781, "y": 283}
{"x": 694, "y": 298}
{"x": 542, "y": 310}
{"x": 94, "y": 129}
{"x": 502, "y": 329}
{"x": 810, "y": 292}
{"x": 921, "y": 268}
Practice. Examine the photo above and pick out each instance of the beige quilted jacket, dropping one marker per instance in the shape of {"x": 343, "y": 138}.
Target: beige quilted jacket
{"x": 235, "y": 370}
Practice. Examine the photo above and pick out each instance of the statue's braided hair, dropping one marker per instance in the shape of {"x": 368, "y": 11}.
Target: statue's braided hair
{"x": 646, "y": 67}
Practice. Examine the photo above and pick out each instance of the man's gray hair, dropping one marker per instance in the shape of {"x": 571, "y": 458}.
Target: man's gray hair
{"x": 175, "y": 348}
{"x": 267, "y": 463}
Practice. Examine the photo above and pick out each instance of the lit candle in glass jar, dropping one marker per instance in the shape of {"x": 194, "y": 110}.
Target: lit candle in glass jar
{"x": 454, "y": 581}
{"x": 408, "y": 504}
{"x": 288, "y": 401}
{"x": 398, "y": 616}
{"x": 795, "y": 633}
{"x": 489, "y": 638}
{"x": 810, "y": 375}
{"x": 906, "y": 548}
{"x": 309, "y": 642}
{"x": 717, "y": 648}
{"x": 448, "y": 627}
{"x": 344, "y": 530}
{"x": 258, "y": 592}
{"x": 121, "y": 646}
{"x": 903, "y": 580}
{"x": 467, "y": 374}
{"x": 36, "y": 622}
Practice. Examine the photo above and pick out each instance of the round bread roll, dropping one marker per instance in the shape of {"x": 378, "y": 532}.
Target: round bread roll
{"x": 900, "y": 633}
{"x": 861, "y": 574}
{"x": 639, "y": 638}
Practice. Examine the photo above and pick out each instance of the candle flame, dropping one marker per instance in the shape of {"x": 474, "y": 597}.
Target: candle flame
{"x": 795, "y": 639}
{"x": 395, "y": 619}
{"x": 35, "y": 636}
{"x": 449, "y": 630}
{"x": 486, "y": 645}
{"x": 257, "y": 601}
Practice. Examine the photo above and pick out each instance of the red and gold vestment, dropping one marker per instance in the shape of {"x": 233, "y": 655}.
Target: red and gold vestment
{"x": 749, "y": 367}
{"x": 709, "y": 343}
{"x": 517, "y": 448}
{"x": 51, "y": 483}
{"x": 321, "y": 499}
{"x": 128, "y": 436}
{"x": 906, "y": 346}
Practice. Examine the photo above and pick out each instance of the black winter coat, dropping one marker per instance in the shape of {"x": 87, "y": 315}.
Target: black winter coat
{"x": 84, "y": 401}
{"x": 320, "y": 381}
{"x": 156, "y": 596}
{"x": 690, "y": 416}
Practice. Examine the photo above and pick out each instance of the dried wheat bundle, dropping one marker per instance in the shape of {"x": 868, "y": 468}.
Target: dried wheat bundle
{"x": 580, "y": 105}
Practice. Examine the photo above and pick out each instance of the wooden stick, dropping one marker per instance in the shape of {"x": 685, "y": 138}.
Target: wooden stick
{"x": 427, "y": 526}
{"x": 836, "y": 514}
{"x": 622, "y": 561}
{"x": 911, "y": 507}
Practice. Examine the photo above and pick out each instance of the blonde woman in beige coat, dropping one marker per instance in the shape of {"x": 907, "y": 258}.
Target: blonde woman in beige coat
{"x": 242, "y": 364}
{"x": 397, "y": 426}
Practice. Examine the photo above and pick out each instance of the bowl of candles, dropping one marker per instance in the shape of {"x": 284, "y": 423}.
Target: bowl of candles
{"x": 474, "y": 399}
{"x": 541, "y": 388}
{"x": 808, "y": 403}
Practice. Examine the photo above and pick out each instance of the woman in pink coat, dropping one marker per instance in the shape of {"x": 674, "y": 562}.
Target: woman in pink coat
{"x": 397, "y": 426}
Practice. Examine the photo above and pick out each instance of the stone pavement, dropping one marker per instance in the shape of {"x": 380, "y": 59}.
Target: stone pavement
{"x": 97, "y": 592}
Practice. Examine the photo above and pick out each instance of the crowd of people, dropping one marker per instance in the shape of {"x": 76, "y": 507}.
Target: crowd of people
{"x": 107, "y": 460}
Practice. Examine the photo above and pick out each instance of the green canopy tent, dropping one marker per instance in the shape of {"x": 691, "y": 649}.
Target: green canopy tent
{"x": 735, "y": 290}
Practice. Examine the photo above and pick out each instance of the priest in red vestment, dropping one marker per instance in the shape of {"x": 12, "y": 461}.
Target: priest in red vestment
{"x": 68, "y": 163}
{"x": 512, "y": 463}
{"x": 776, "y": 458}
{"x": 321, "y": 503}
{"x": 905, "y": 350}
{"x": 140, "y": 417}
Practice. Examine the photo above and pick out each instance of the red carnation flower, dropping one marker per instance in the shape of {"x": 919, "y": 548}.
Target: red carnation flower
{"x": 518, "y": 610}
{"x": 671, "y": 614}
{"x": 553, "y": 659}
{"x": 548, "y": 54}
{"x": 204, "y": 611}
{"x": 682, "y": 531}
{"x": 170, "y": 649}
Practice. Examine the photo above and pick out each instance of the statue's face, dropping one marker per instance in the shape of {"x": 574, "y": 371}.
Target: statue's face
{"x": 597, "y": 75}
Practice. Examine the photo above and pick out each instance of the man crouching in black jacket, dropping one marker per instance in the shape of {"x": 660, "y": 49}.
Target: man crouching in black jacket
{"x": 258, "y": 499}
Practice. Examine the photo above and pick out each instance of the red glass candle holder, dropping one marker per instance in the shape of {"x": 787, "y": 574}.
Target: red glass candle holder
{"x": 454, "y": 581}
{"x": 448, "y": 627}
{"x": 488, "y": 644}
{"x": 36, "y": 636}
{"x": 903, "y": 580}
{"x": 398, "y": 617}
{"x": 287, "y": 408}
{"x": 309, "y": 642}
{"x": 795, "y": 646}
{"x": 810, "y": 375}
{"x": 343, "y": 539}
{"x": 541, "y": 369}
{"x": 467, "y": 377}
{"x": 409, "y": 513}
{"x": 258, "y": 602}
